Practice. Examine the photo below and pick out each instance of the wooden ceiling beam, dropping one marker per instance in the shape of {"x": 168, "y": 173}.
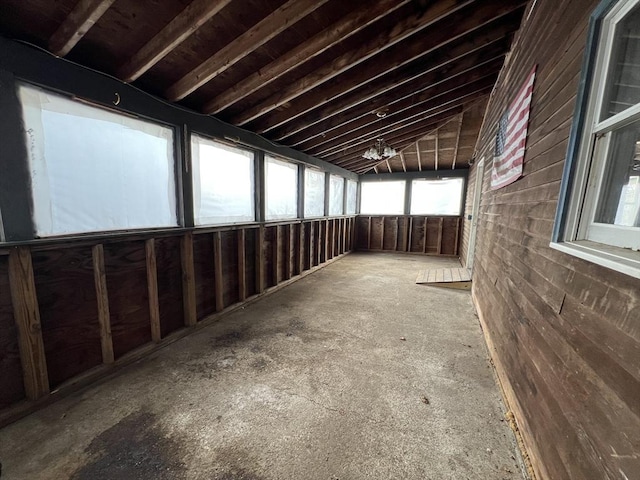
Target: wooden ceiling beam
{"x": 304, "y": 52}
{"x": 421, "y": 55}
{"x": 309, "y": 130}
{"x": 470, "y": 89}
{"x": 385, "y": 40}
{"x": 79, "y": 21}
{"x": 268, "y": 28}
{"x": 173, "y": 34}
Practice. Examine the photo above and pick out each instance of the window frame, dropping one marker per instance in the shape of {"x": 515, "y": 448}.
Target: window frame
{"x": 574, "y": 229}
{"x": 288, "y": 162}
{"x": 406, "y": 186}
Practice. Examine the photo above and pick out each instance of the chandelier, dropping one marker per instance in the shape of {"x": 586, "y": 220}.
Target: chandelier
{"x": 379, "y": 150}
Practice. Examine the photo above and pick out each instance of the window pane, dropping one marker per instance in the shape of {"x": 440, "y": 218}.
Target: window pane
{"x": 352, "y": 196}
{"x": 436, "y": 197}
{"x": 281, "y": 189}
{"x": 336, "y": 195}
{"x": 313, "y": 193}
{"x": 222, "y": 182}
{"x": 623, "y": 85}
{"x": 94, "y": 170}
{"x": 382, "y": 198}
{"x": 619, "y": 201}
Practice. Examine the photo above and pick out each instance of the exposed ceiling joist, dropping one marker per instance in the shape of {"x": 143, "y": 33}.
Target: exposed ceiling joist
{"x": 313, "y": 47}
{"x": 84, "y": 15}
{"x": 179, "y": 29}
{"x": 278, "y": 21}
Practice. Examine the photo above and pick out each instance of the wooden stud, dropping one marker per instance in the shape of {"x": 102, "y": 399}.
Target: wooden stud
{"x": 266, "y": 29}
{"x": 405, "y": 230}
{"x": 424, "y": 246}
{"x": 409, "y": 238}
{"x": 275, "y": 253}
{"x": 312, "y": 243}
{"x": 332, "y": 238}
{"x": 260, "y": 259}
{"x": 455, "y": 243}
{"x": 381, "y": 233}
{"x": 27, "y": 317}
{"x": 196, "y": 14}
{"x": 288, "y": 267}
{"x": 440, "y": 224}
{"x": 301, "y": 248}
{"x": 188, "y": 280}
{"x": 319, "y": 244}
{"x": 418, "y": 155}
{"x": 83, "y": 16}
{"x": 218, "y": 276}
{"x": 326, "y": 241}
{"x": 102, "y": 297}
{"x": 242, "y": 273}
{"x": 369, "y": 235}
{"x": 455, "y": 152}
{"x": 152, "y": 289}
{"x": 397, "y": 234}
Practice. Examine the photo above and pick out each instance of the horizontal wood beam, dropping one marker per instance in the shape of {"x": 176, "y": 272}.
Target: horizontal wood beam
{"x": 268, "y": 28}
{"x": 385, "y": 40}
{"x": 79, "y": 21}
{"x": 177, "y": 31}
{"x": 422, "y": 53}
{"x": 318, "y": 44}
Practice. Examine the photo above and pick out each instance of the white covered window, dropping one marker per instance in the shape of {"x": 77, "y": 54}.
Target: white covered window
{"x": 223, "y": 182}
{"x": 336, "y": 195}
{"x": 281, "y": 193}
{"x": 437, "y": 197}
{"x": 313, "y": 193}
{"x": 382, "y": 198}
{"x": 352, "y": 196}
{"x": 599, "y": 210}
{"x": 94, "y": 170}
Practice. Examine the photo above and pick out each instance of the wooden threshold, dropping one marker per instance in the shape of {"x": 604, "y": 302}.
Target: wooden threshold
{"x": 459, "y": 278}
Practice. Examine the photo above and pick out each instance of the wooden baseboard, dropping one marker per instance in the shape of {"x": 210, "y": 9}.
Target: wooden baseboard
{"x": 532, "y": 462}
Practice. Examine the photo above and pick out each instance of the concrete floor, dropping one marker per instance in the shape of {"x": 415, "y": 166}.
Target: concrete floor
{"x": 312, "y": 382}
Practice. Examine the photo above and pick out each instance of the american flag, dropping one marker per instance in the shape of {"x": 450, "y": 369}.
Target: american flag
{"x": 512, "y": 138}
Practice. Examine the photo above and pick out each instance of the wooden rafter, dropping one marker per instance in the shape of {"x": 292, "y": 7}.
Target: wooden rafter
{"x": 455, "y": 153}
{"x": 272, "y": 25}
{"x": 437, "y": 150}
{"x": 83, "y": 16}
{"x": 404, "y": 163}
{"x": 178, "y": 30}
{"x": 401, "y": 31}
{"x": 304, "y": 52}
{"x": 418, "y": 155}
{"x": 388, "y": 165}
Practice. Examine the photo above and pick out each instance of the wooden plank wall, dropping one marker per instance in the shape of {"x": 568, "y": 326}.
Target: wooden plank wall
{"x": 409, "y": 233}
{"x": 564, "y": 334}
{"x": 466, "y": 222}
{"x": 73, "y": 311}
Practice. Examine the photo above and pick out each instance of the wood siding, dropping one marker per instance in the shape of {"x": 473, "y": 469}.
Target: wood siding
{"x": 410, "y": 234}
{"x": 564, "y": 333}
{"x": 105, "y": 302}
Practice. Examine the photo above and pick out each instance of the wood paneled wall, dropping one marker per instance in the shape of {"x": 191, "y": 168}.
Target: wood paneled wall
{"x": 564, "y": 333}
{"x": 412, "y": 234}
{"x": 71, "y": 312}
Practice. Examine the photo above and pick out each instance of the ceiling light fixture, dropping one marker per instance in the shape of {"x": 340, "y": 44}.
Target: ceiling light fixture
{"x": 380, "y": 148}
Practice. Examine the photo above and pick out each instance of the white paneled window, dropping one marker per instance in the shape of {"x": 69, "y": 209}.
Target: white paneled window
{"x": 352, "y": 196}
{"x": 94, "y": 170}
{"x": 223, "y": 182}
{"x": 382, "y": 198}
{"x": 336, "y": 195}
{"x": 313, "y": 193}
{"x": 599, "y": 211}
{"x": 437, "y": 197}
{"x": 281, "y": 193}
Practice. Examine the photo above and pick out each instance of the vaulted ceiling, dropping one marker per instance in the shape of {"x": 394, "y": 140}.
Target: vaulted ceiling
{"x": 310, "y": 74}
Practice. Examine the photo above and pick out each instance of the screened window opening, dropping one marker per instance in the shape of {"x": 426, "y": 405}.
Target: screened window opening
{"x": 281, "y": 189}
{"x": 336, "y": 195}
{"x": 313, "y": 193}
{"x": 223, "y": 182}
{"x": 93, "y": 170}
{"x": 437, "y": 197}
{"x": 382, "y": 198}
{"x": 352, "y": 196}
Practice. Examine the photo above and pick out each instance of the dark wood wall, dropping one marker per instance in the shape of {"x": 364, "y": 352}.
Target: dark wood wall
{"x": 72, "y": 311}
{"x": 564, "y": 333}
{"x": 408, "y": 233}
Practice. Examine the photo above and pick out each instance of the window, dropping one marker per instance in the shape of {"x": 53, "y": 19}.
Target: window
{"x": 95, "y": 170}
{"x": 336, "y": 195}
{"x": 599, "y": 210}
{"x": 352, "y": 196}
{"x": 313, "y": 193}
{"x": 281, "y": 192}
{"x": 437, "y": 197}
{"x": 382, "y": 198}
{"x": 223, "y": 188}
